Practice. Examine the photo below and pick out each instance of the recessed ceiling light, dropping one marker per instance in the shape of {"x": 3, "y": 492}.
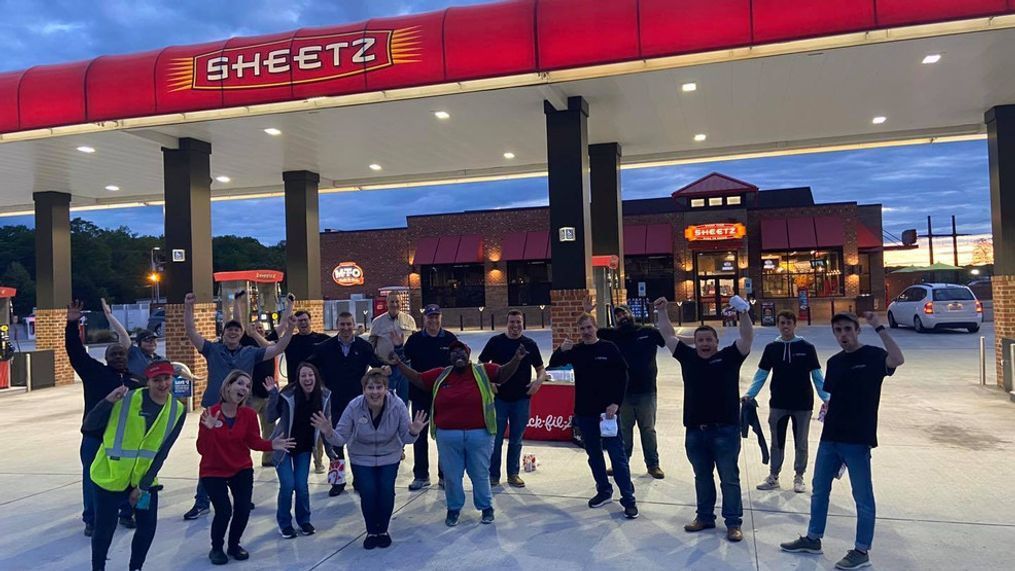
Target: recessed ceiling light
{"x": 223, "y": 178}
{"x": 375, "y": 167}
{"x": 112, "y": 187}
{"x": 689, "y": 87}
{"x": 273, "y": 131}
{"x": 700, "y": 137}
{"x": 509, "y": 155}
{"x": 878, "y": 120}
{"x": 85, "y": 149}
{"x": 442, "y": 114}
{"x": 932, "y": 58}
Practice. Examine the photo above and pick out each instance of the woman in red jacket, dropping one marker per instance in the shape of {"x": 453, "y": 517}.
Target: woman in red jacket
{"x": 228, "y": 432}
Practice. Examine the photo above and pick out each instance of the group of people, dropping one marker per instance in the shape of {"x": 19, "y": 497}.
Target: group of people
{"x": 350, "y": 398}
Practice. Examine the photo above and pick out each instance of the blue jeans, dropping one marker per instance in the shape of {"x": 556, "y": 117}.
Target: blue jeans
{"x": 614, "y": 446}
{"x": 716, "y": 447}
{"x": 462, "y": 451}
{"x": 399, "y": 384}
{"x": 857, "y": 458}
{"x": 201, "y": 498}
{"x": 293, "y": 472}
{"x": 89, "y": 448}
{"x": 515, "y": 414}
{"x": 376, "y": 494}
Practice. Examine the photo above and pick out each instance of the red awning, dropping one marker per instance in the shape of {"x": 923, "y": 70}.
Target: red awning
{"x": 256, "y": 276}
{"x": 426, "y": 248}
{"x": 537, "y": 245}
{"x": 447, "y": 250}
{"x": 801, "y": 233}
{"x": 634, "y": 240}
{"x": 773, "y": 234}
{"x": 866, "y": 239}
{"x": 658, "y": 239}
{"x": 512, "y": 247}
{"x": 470, "y": 249}
{"x": 830, "y": 232}
{"x": 7, "y": 292}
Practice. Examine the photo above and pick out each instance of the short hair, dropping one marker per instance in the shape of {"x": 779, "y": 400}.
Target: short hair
{"x": 518, "y": 312}
{"x": 786, "y": 314}
{"x": 846, "y": 316}
{"x": 301, "y": 313}
{"x": 586, "y": 317}
{"x": 375, "y": 375}
{"x": 345, "y": 314}
{"x": 707, "y": 328}
{"x": 230, "y": 379}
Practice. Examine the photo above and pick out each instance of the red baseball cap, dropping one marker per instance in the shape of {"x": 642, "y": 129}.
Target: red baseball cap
{"x": 158, "y": 368}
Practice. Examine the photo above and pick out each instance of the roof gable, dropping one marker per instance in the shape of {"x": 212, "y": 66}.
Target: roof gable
{"x": 713, "y": 184}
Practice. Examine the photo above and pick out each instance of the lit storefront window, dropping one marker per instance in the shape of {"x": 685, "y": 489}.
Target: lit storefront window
{"x": 453, "y": 285}
{"x": 865, "y": 274}
{"x": 819, "y": 272}
{"x": 529, "y": 283}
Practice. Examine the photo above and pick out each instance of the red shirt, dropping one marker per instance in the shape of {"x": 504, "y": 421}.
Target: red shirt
{"x": 458, "y": 404}
{"x": 225, "y": 450}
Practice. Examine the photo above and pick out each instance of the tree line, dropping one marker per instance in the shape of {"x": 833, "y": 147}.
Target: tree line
{"x": 115, "y": 263}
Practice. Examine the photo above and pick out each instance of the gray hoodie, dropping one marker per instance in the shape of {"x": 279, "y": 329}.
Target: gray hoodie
{"x": 369, "y": 446}
{"x": 284, "y": 415}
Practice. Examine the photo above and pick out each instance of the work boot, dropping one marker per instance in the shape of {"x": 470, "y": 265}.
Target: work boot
{"x": 734, "y": 534}
{"x": 515, "y": 482}
{"x": 698, "y": 525}
{"x": 656, "y": 472}
{"x": 770, "y": 483}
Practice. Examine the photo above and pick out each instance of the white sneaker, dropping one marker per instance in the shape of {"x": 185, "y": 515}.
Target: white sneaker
{"x": 798, "y": 484}
{"x": 770, "y": 483}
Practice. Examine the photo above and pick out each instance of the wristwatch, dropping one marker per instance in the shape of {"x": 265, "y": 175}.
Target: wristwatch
{"x": 879, "y": 329}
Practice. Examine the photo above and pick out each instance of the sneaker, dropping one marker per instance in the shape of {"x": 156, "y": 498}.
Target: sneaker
{"x": 798, "y": 484}
{"x": 288, "y": 532}
{"x": 734, "y": 534}
{"x": 494, "y": 482}
{"x": 384, "y": 541}
{"x": 854, "y": 560}
{"x": 656, "y": 472}
{"x": 770, "y": 483}
{"x": 218, "y": 557}
{"x": 196, "y": 512}
{"x": 452, "y": 519}
{"x": 320, "y": 469}
{"x": 631, "y": 511}
{"x": 419, "y": 484}
{"x": 307, "y": 529}
{"x": 698, "y": 525}
{"x": 440, "y": 483}
{"x": 803, "y": 544}
{"x": 370, "y": 542}
{"x": 336, "y": 490}
{"x": 601, "y": 499}
{"x": 89, "y": 529}
{"x": 127, "y": 521}
{"x": 238, "y": 553}
{"x": 487, "y": 516}
{"x": 515, "y": 482}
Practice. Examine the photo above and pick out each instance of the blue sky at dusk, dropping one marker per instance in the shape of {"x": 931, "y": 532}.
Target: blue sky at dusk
{"x": 911, "y": 182}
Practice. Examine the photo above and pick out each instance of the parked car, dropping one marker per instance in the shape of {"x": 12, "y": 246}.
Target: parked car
{"x": 155, "y": 321}
{"x": 936, "y": 305}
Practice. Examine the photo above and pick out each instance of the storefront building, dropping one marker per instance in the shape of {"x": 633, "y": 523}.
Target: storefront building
{"x": 708, "y": 241}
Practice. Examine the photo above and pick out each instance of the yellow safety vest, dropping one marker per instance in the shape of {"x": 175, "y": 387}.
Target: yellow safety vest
{"x": 485, "y": 391}
{"x": 127, "y": 448}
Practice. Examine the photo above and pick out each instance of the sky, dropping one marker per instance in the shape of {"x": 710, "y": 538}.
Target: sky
{"x": 911, "y": 182}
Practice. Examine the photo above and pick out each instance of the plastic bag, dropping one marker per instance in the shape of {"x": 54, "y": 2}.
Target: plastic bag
{"x": 336, "y": 472}
{"x": 608, "y": 426}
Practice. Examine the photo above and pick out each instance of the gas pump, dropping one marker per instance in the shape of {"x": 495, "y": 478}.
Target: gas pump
{"x": 263, "y": 290}
{"x": 6, "y": 347}
{"x": 606, "y": 281}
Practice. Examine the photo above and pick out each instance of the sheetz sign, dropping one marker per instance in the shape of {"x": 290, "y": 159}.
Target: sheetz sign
{"x": 719, "y": 231}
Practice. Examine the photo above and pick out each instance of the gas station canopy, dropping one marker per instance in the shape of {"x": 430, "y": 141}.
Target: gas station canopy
{"x": 458, "y": 94}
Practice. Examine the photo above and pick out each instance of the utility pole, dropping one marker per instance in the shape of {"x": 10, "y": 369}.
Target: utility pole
{"x": 955, "y": 243}
{"x": 930, "y": 235}
{"x": 930, "y": 241}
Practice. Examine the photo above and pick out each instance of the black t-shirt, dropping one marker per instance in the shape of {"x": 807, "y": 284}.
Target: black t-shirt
{"x": 854, "y": 382}
{"x": 791, "y": 365}
{"x": 426, "y": 352}
{"x": 303, "y": 431}
{"x": 299, "y": 349}
{"x": 711, "y": 386}
{"x": 500, "y": 349}
{"x": 262, "y": 370}
{"x": 639, "y": 345}
{"x": 600, "y": 375}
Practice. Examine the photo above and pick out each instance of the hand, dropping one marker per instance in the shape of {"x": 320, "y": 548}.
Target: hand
{"x": 105, "y": 307}
{"x": 567, "y": 345}
{"x": 611, "y": 411}
{"x": 190, "y": 299}
{"x": 117, "y": 393}
{"x": 397, "y": 337}
{"x": 240, "y": 294}
{"x": 270, "y": 384}
{"x": 291, "y": 322}
{"x": 745, "y": 398}
{"x": 322, "y": 423}
{"x": 75, "y": 309}
{"x": 588, "y": 304}
{"x": 872, "y": 319}
{"x": 291, "y": 297}
{"x": 210, "y": 421}
{"x": 521, "y": 352}
{"x": 283, "y": 444}
{"x": 534, "y": 386}
{"x": 419, "y": 422}
{"x": 386, "y": 369}
{"x": 135, "y": 495}
{"x": 660, "y": 304}
{"x": 393, "y": 359}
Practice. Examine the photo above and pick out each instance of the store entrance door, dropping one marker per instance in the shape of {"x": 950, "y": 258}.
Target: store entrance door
{"x": 714, "y": 294}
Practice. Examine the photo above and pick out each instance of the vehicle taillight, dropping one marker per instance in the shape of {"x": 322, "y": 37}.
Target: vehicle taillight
{"x": 979, "y": 307}
{"x": 928, "y": 307}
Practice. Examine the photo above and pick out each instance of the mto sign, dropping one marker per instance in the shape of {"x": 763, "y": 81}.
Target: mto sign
{"x": 719, "y": 231}
{"x": 348, "y": 274}
{"x": 295, "y": 61}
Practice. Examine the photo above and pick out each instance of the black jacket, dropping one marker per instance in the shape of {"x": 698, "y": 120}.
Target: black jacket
{"x": 749, "y": 421}
{"x": 343, "y": 373}
{"x": 98, "y": 378}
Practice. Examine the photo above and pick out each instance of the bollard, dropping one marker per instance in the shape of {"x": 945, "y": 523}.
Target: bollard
{"x": 491, "y": 322}
{"x": 983, "y": 360}
{"x": 461, "y": 322}
{"x": 542, "y": 319}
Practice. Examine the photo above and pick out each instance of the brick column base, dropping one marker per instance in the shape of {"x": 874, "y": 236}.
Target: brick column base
{"x": 1004, "y": 320}
{"x": 49, "y": 331}
{"x": 316, "y": 309}
{"x": 565, "y": 307}
{"x": 178, "y": 346}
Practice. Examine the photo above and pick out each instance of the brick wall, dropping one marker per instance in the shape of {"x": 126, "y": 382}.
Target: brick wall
{"x": 178, "y": 346}
{"x": 1004, "y": 319}
{"x": 564, "y": 311}
{"x": 383, "y": 255}
{"x": 316, "y": 309}
{"x": 49, "y": 334}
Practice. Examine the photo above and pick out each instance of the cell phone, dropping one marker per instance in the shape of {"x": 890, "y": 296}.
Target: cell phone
{"x": 291, "y": 297}
{"x": 144, "y": 501}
